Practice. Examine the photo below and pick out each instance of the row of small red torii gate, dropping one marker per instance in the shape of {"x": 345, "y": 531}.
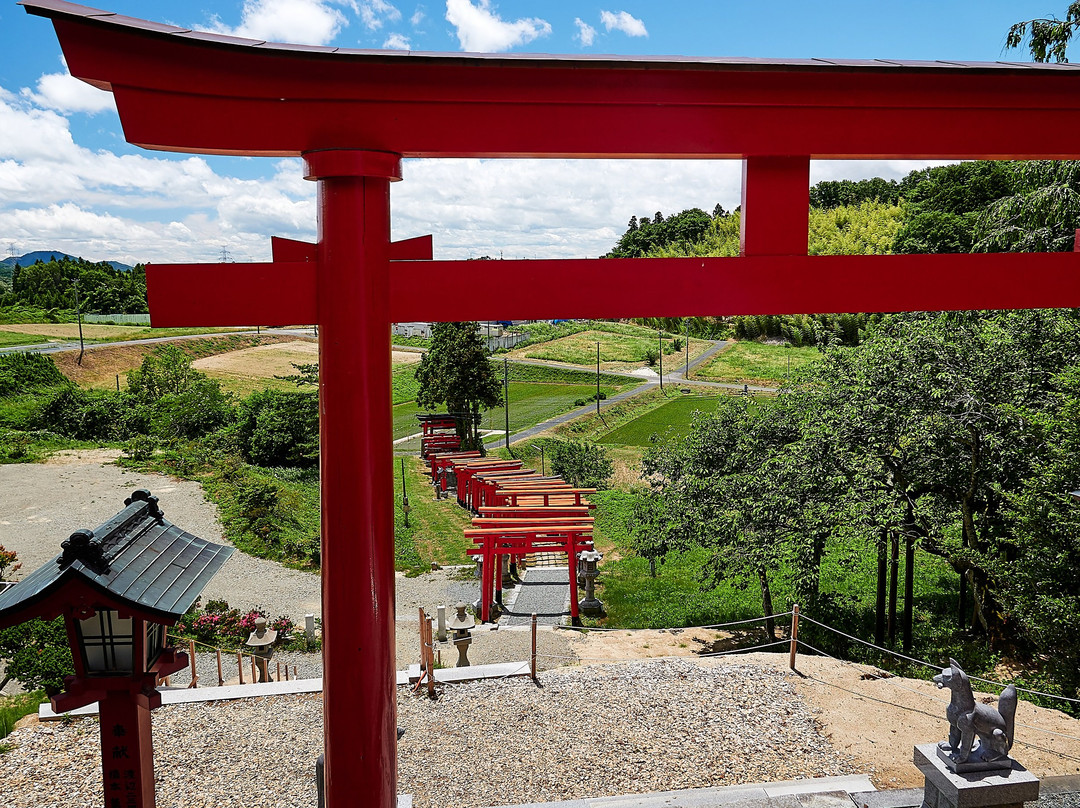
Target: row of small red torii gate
{"x": 354, "y": 115}
{"x": 520, "y": 511}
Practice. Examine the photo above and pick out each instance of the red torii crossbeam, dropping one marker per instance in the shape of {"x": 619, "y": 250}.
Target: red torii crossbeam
{"x": 353, "y": 115}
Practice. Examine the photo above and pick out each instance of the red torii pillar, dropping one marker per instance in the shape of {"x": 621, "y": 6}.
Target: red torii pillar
{"x": 353, "y": 303}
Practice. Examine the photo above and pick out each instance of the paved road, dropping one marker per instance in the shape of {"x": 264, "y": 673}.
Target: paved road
{"x": 60, "y": 347}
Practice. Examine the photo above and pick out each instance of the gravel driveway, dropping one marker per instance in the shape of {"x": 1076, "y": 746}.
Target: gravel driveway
{"x": 610, "y": 729}
{"x": 41, "y": 504}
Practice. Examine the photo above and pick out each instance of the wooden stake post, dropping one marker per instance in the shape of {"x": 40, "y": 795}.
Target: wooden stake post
{"x": 794, "y": 634}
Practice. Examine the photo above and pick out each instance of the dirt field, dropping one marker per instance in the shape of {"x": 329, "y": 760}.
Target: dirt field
{"x": 66, "y": 331}
{"x": 877, "y": 720}
{"x": 263, "y": 361}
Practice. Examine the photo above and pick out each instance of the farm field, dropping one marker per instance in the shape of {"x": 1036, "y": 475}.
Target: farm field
{"x": 622, "y": 350}
{"x": 672, "y": 418}
{"x": 106, "y": 333}
{"x": 250, "y": 369}
{"x": 756, "y": 363}
{"x": 8, "y": 338}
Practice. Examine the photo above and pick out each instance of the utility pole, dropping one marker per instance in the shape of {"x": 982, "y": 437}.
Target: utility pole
{"x": 598, "y": 379}
{"x": 404, "y": 495}
{"x": 660, "y": 339}
{"x": 506, "y": 399}
{"x": 686, "y": 373}
{"x": 78, "y": 314}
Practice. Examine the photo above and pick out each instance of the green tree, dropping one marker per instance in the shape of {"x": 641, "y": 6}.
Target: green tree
{"x": 1047, "y": 38}
{"x": 943, "y": 204}
{"x": 583, "y": 464}
{"x": 174, "y": 399}
{"x": 35, "y": 653}
{"x": 1042, "y": 215}
{"x": 455, "y": 372}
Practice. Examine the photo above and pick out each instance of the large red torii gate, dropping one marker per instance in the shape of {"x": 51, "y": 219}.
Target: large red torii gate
{"x": 352, "y": 116}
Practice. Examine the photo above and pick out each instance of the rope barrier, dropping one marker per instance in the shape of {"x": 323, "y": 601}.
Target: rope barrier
{"x": 876, "y": 647}
{"x": 932, "y": 665}
{"x": 586, "y": 629}
{"x": 893, "y": 683}
{"x": 743, "y": 650}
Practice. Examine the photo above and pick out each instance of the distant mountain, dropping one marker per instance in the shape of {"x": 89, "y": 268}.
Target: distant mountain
{"x": 47, "y": 255}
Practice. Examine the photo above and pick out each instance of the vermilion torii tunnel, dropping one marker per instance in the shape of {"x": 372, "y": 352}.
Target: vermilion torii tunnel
{"x": 353, "y": 115}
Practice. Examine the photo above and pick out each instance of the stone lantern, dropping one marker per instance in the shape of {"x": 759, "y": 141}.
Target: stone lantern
{"x": 262, "y": 640}
{"x": 462, "y": 623}
{"x": 587, "y": 561}
{"x": 118, "y": 587}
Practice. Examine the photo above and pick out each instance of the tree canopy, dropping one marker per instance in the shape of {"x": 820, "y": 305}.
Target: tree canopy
{"x": 102, "y": 288}
{"x": 956, "y": 431}
{"x": 455, "y": 372}
{"x": 1046, "y": 38}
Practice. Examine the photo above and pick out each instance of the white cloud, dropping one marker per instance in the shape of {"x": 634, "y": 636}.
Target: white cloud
{"x": 374, "y": 13}
{"x": 65, "y": 93}
{"x": 417, "y": 16}
{"x": 480, "y": 29}
{"x": 586, "y": 34}
{"x": 397, "y": 42}
{"x": 305, "y": 22}
{"x": 623, "y": 21}
{"x": 55, "y": 194}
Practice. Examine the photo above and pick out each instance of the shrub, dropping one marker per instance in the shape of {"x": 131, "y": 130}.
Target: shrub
{"x": 582, "y": 464}
{"x": 24, "y": 372}
{"x": 37, "y": 654}
{"x": 141, "y": 447}
{"x": 258, "y": 504}
{"x": 651, "y": 356}
{"x": 175, "y": 400}
{"x": 275, "y": 428}
{"x": 83, "y": 414}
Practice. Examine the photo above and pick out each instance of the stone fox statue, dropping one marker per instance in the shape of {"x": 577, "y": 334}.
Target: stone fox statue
{"x": 967, "y": 718}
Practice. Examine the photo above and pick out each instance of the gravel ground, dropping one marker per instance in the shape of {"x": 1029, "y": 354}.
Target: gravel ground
{"x": 41, "y": 504}
{"x": 586, "y": 731}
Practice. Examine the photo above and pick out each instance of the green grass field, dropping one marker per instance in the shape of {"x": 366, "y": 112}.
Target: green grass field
{"x": 14, "y": 338}
{"x": 616, "y": 349}
{"x": 435, "y": 528}
{"x": 546, "y": 393}
{"x": 756, "y": 363}
{"x": 672, "y": 418}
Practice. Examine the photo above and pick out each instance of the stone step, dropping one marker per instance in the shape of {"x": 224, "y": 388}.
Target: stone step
{"x": 817, "y": 792}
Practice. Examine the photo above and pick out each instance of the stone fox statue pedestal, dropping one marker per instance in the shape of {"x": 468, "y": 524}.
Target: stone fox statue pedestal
{"x": 960, "y": 774}
{"x": 970, "y": 721}
{"x": 945, "y": 788}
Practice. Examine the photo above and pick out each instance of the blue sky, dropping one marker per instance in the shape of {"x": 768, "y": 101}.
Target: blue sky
{"x": 69, "y": 181}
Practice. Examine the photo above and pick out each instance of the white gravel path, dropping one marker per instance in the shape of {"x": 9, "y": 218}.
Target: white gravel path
{"x": 41, "y": 504}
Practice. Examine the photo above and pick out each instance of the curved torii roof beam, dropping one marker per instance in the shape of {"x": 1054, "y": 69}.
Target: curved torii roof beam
{"x": 191, "y": 91}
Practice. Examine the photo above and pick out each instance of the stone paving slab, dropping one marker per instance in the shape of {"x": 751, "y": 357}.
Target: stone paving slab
{"x": 791, "y": 794}
{"x": 545, "y": 592}
{"x": 169, "y": 695}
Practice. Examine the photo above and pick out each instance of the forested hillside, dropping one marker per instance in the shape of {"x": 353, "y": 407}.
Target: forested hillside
{"x": 980, "y": 206}
{"x": 951, "y": 435}
{"x": 102, "y": 288}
